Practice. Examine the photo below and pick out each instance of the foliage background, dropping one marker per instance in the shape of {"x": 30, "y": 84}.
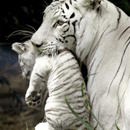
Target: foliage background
{"x": 16, "y": 15}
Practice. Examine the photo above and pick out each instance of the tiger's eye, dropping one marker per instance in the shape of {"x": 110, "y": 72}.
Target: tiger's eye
{"x": 60, "y": 22}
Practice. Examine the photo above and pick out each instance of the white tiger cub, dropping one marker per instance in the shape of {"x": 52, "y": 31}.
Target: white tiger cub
{"x": 59, "y": 74}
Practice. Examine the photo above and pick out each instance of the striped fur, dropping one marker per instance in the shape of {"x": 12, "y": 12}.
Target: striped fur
{"x": 99, "y": 33}
{"x": 64, "y": 74}
{"x": 58, "y": 74}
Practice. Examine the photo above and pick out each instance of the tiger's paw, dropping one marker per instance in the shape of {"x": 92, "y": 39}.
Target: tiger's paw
{"x": 33, "y": 98}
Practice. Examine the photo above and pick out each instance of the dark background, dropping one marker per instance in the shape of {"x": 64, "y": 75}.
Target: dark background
{"x": 16, "y": 15}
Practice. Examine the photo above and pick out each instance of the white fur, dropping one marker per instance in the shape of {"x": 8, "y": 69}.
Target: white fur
{"x": 56, "y": 72}
{"x": 59, "y": 74}
{"x": 99, "y": 46}
{"x": 42, "y": 126}
{"x": 27, "y": 54}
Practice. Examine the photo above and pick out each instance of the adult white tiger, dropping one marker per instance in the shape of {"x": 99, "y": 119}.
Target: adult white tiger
{"x": 59, "y": 74}
{"x": 99, "y": 33}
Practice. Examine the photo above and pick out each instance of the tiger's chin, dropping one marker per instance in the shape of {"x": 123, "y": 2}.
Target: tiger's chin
{"x": 70, "y": 46}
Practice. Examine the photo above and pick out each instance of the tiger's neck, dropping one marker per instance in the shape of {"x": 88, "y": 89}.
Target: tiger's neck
{"x": 99, "y": 30}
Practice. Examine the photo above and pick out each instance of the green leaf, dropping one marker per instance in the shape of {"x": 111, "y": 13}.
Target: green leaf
{"x": 116, "y": 126}
{"x": 86, "y": 102}
{"x": 27, "y": 126}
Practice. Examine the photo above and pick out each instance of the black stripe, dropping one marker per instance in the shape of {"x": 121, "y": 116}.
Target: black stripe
{"x": 71, "y": 2}
{"x": 68, "y": 67}
{"x": 62, "y": 10}
{"x": 79, "y": 125}
{"x": 56, "y": 12}
{"x": 123, "y": 32}
{"x": 74, "y": 24}
{"x": 120, "y": 84}
{"x": 63, "y": 85}
{"x": 66, "y": 29}
{"x": 90, "y": 68}
{"x": 64, "y": 16}
{"x": 72, "y": 15}
{"x": 59, "y": 87}
{"x": 59, "y": 66}
{"x": 80, "y": 21}
{"x": 95, "y": 127}
{"x": 60, "y": 40}
{"x": 118, "y": 68}
{"x": 92, "y": 54}
{"x": 94, "y": 98}
{"x": 39, "y": 76}
{"x": 118, "y": 20}
{"x": 96, "y": 71}
{"x": 67, "y": 6}
{"x": 127, "y": 40}
{"x": 69, "y": 36}
{"x": 76, "y": 79}
{"x": 119, "y": 17}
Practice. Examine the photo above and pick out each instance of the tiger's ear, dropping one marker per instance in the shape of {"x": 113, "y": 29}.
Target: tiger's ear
{"x": 18, "y": 47}
{"x": 90, "y": 4}
{"x": 95, "y": 4}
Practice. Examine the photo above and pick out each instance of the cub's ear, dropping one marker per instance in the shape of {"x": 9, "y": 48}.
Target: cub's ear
{"x": 18, "y": 47}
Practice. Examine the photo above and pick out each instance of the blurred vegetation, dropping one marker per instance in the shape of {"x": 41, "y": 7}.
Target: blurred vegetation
{"x": 17, "y": 15}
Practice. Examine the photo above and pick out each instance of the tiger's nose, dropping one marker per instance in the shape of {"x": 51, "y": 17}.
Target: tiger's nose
{"x": 37, "y": 45}
{"x": 37, "y": 40}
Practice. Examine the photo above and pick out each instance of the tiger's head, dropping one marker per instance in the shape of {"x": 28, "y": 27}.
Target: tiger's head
{"x": 68, "y": 23}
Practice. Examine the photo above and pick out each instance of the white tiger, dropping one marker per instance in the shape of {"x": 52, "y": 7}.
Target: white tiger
{"x": 99, "y": 33}
{"x": 59, "y": 74}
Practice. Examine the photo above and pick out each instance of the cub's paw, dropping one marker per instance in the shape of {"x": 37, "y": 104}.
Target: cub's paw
{"x": 33, "y": 98}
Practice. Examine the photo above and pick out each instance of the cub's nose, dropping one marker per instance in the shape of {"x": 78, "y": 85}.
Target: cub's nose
{"x": 28, "y": 73}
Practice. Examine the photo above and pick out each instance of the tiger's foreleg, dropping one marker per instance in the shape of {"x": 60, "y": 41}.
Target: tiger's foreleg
{"x": 38, "y": 81}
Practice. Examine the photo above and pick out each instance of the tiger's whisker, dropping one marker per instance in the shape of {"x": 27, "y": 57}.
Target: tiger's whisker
{"x": 25, "y": 37}
{"x": 20, "y": 32}
{"x": 46, "y": 3}
{"x": 31, "y": 27}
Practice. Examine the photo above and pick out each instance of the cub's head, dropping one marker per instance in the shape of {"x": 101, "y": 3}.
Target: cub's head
{"x": 64, "y": 23}
{"x": 27, "y": 54}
